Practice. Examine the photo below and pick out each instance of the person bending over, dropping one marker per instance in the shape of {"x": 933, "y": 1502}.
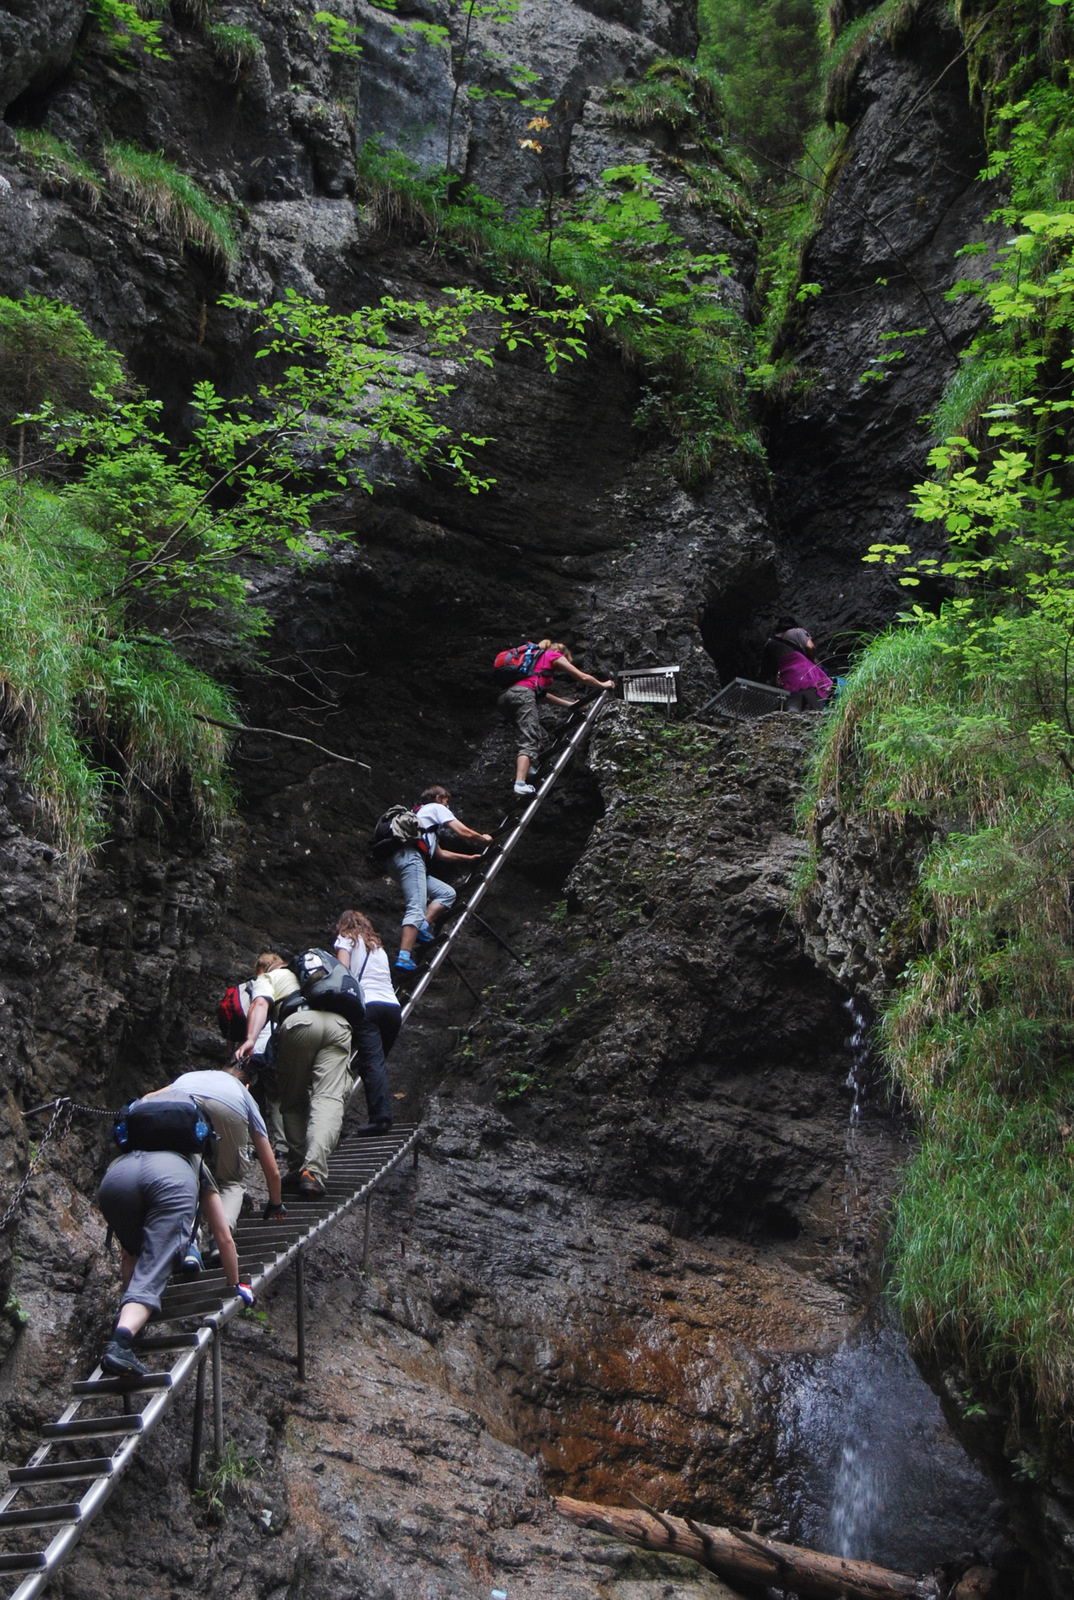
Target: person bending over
{"x": 519, "y": 703}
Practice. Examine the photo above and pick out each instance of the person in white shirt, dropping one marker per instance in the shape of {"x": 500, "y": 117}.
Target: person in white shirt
{"x": 427, "y": 898}
{"x": 361, "y": 949}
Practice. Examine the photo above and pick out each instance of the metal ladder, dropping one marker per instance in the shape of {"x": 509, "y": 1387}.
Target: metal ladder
{"x": 265, "y": 1249}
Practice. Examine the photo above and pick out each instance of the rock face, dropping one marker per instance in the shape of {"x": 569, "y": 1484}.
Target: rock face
{"x": 634, "y": 1206}
{"x": 37, "y": 41}
{"x": 904, "y": 200}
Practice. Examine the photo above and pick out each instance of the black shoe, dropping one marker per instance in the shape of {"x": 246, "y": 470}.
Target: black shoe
{"x": 291, "y": 1180}
{"x": 120, "y": 1361}
{"x": 310, "y": 1186}
{"x": 369, "y": 1130}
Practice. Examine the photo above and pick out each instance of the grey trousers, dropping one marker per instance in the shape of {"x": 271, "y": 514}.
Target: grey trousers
{"x": 313, "y": 1052}
{"x": 519, "y": 705}
{"x": 149, "y": 1198}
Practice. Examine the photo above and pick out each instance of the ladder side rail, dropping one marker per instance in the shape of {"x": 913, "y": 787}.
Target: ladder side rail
{"x": 520, "y": 825}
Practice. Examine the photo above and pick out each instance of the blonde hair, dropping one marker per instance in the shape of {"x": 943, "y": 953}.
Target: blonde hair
{"x": 355, "y": 925}
{"x": 268, "y": 961}
{"x": 553, "y": 644}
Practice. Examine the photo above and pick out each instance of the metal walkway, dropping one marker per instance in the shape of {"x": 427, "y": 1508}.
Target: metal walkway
{"x": 68, "y": 1455}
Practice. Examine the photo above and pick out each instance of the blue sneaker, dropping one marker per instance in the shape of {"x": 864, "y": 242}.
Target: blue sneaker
{"x": 426, "y": 933}
{"x": 192, "y": 1262}
{"x": 404, "y": 962}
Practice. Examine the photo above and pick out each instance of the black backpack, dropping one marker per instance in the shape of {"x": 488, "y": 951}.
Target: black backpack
{"x": 324, "y": 984}
{"x": 398, "y": 826}
{"x": 159, "y": 1123}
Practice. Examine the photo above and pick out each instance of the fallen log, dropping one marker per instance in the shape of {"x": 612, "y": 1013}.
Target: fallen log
{"x": 746, "y": 1558}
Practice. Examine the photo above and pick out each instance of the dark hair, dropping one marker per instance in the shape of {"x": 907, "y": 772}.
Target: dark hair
{"x": 784, "y": 623}
{"x": 434, "y": 792}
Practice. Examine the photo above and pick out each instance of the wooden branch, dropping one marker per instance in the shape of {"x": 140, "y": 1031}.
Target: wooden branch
{"x": 274, "y": 733}
{"x": 748, "y": 1559}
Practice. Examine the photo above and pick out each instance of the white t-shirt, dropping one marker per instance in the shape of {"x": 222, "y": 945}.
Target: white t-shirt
{"x": 371, "y": 969}
{"x": 225, "y": 1087}
{"x": 430, "y": 818}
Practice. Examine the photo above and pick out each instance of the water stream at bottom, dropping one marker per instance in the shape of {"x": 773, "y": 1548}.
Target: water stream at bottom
{"x": 873, "y": 1471}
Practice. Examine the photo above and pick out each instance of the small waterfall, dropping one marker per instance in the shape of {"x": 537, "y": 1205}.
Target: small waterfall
{"x": 874, "y": 1472}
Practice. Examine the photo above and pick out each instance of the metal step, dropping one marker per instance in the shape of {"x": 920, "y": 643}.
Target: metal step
{"x": 86, "y": 1427}
{"x": 114, "y": 1385}
{"x": 41, "y": 1516}
{"x": 32, "y": 1561}
{"x": 165, "y": 1341}
{"x": 58, "y": 1471}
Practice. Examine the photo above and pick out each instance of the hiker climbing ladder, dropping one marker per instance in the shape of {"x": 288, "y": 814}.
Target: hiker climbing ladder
{"x": 504, "y": 840}
{"x": 39, "y": 1493}
{"x": 88, "y": 1449}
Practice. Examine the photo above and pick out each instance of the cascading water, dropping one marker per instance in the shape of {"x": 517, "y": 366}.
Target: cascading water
{"x": 873, "y": 1471}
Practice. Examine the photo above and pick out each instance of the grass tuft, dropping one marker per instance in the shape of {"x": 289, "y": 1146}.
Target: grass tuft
{"x": 235, "y": 47}
{"x": 158, "y": 189}
{"x": 59, "y": 163}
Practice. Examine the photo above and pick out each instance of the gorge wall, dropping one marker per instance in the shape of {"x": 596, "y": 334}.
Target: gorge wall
{"x": 634, "y": 1212}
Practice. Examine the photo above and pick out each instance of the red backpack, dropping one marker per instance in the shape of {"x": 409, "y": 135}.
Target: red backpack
{"x": 231, "y": 1012}
{"x": 511, "y": 665}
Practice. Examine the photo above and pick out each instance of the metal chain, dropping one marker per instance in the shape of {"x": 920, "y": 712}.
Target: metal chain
{"x": 62, "y": 1112}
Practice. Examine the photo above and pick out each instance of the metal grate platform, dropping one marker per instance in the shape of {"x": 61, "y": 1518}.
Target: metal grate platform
{"x": 745, "y": 699}
{"x": 650, "y": 686}
{"x": 265, "y": 1250}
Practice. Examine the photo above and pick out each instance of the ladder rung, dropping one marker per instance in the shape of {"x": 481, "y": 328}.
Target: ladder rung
{"x": 56, "y": 1471}
{"x": 83, "y": 1427}
{"x": 166, "y": 1341}
{"x": 32, "y": 1561}
{"x": 114, "y": 1385}
{"x": 41, "y": 1516}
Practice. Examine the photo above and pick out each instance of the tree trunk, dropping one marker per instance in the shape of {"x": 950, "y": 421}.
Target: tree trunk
{"x": 745, "y": 1558}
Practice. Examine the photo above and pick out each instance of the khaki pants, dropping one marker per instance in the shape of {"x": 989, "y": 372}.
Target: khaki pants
{"x": 313, "y": 1050}
{"x": 231, "y": 1158}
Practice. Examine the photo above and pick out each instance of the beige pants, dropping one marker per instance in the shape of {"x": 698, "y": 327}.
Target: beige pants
{"x": 313, "y": 1051}
{"x": 231, "y": 1154}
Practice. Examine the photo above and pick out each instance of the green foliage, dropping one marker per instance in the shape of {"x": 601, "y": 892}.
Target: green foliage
{"x": 235, "y": 47}
{"x": 228, "y": 1481}
{"x": 109, "y": 571}
{"x": 127, "y": 29}
{"x": 158, "y": 189}
{"x": 615, "y": 251}
{"x": 767, "y": 55}
{"x": 60, "y": 164}
{"x": 962, "y": 719}
{"x": 343, "y": 36}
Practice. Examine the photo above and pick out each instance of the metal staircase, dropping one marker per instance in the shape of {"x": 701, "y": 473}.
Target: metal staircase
{"x": 187, "y": 1332}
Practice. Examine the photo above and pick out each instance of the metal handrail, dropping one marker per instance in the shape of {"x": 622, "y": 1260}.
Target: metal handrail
{"x": 516, "y": 826}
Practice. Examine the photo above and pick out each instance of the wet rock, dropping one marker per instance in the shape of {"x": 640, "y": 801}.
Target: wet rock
{"x": 37, "y": 41}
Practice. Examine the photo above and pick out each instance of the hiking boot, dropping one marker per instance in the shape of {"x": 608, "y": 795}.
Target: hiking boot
{"x": 309, "y": 1186}
{"x": 120, "y": 1361}
{"x": 426, "y": 933}
{"x": 369, "y": 1130}
{"x": 192, "y": 1262}
{"x": 525, "y": 788}
{"x": 404, "y": 962}
{"x": 291, "y": 1180}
